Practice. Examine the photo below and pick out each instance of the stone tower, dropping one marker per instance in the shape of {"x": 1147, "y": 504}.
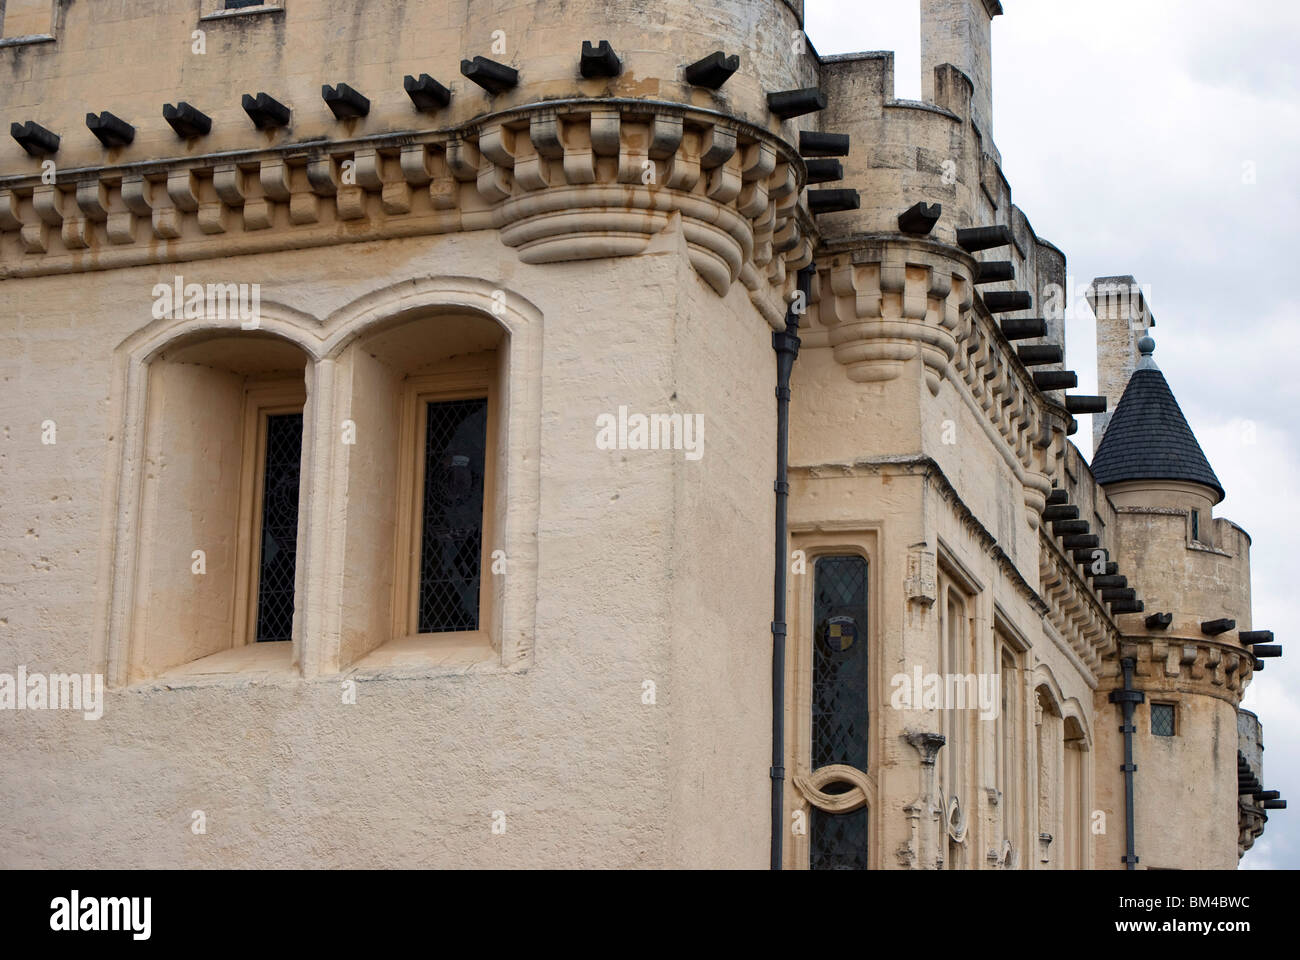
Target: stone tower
{"x": 1191, "y": 645}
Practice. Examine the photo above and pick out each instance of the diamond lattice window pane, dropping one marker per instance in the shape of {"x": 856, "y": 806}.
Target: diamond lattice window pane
{"x": 840, "y": 662}
{"x": 283, "y": 466}
{"x": 451, "y": 541}
{"x": 838, "y": 841}
{"x": 1162, "y": 719}
{"x": 839, "y": 704}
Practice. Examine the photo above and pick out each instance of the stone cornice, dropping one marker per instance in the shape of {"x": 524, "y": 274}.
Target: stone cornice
{"x": 1073, "y": 608}
{"x": 560, "y": 180}
{"x": 1196, "y": 665}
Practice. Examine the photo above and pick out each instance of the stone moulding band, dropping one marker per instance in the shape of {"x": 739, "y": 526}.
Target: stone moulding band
{"x": 561, "y": 180}
{"x": 1197, "y": 665}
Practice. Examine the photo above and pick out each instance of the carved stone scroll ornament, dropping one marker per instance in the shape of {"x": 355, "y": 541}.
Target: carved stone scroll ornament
{"x": 812, "y": 785}
{"x": 954, "y": 818}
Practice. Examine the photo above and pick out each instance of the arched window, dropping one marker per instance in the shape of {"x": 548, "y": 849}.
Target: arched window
{"x": 1075, "y": 831}
{"x": 957, "y": 656}
{"x": 1050, "y": 774}
{"x": 424, "y": 402}
{"x": 1010, "y": 752}
{"x": 220, "y": 506}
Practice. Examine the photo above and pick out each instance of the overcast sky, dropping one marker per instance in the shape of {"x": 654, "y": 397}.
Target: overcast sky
{"x": 1160, "y": 138}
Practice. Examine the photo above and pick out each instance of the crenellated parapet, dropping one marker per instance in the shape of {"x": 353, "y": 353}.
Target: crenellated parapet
{"x": 569, "y": 181}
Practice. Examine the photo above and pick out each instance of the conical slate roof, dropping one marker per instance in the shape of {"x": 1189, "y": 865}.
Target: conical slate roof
{"x": 1148, "y": 437}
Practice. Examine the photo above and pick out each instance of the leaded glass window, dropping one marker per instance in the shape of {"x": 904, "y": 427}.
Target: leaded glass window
{"x": 1162, "y": 719}
{"x": 451, "y": 541}
{"x": 839, "y": 703}
{"x": 281, "y": 472}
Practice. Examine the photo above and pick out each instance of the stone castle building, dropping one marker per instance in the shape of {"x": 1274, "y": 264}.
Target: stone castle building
{"x": 410, "y": 408}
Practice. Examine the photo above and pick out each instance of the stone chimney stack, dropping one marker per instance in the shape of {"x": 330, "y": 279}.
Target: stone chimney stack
{"x": 1123, "y": 317}
{"x": 960, "y": 32}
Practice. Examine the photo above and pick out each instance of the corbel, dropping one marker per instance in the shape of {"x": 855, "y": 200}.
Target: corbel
{"x": 783, "y": 182}
{"x": 665, "y": 136}
{"x": 786, "y": 236}
{"x": 304, "y": 205}
{"x": 684, "y": 172}
{"x": 134, "y": 195}
{"x": 725, "y": 181}
{"x": 444, "y": 191}
{"x": 497, "y": 143}
{"x": 34, "y": 237}
{"x": 76, "y": 232}
{"x": 496, "y": 162}
{"x": 532, "y": 160}
{"x": 228, "y": 181}
{"x": 274, "y": 177}
{"x": 414, "y": 163}
{"x": 92, "y": 199}
{"x": 47, "y": 200}
{"x": 9, "y": 219}
{"x": 323, "y": 176}
{"x": 758, "y": 162}
{"x": 605, "y": 126}
{"x": 801, "y": 256}
{"x": 182, "y": 188}
{"x": 368, "y": 165}
{"x": 462, "y": 159}
{"x": 717, "y": 146}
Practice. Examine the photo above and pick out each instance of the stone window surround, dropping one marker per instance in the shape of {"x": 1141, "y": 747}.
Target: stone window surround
{"x": 805, "y": 785}
{"x": 30, "y": 38}
{"x": 327, "y": 342}
{"x": 260, "y": 401}
{"x": 1176, "y": 724}
{"x": 954, "y": 579}
{"x": 1051, "y": 704}
{"x": 1011, "y": 651}
{"x": 417, "y": 392}
{"x": 216, "y": 9}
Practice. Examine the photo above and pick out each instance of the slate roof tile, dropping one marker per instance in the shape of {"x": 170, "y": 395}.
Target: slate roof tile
{"x": 1148, "y": 438}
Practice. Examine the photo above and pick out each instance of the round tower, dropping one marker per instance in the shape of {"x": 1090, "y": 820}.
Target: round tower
{"x": 1192, "y": 570}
